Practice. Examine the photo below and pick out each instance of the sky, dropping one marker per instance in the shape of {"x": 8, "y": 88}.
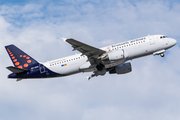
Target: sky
{"x": 150, "y": 91}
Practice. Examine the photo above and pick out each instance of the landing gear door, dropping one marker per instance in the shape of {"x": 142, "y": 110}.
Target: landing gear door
{"x": 42, "y": 68}
{"x": 151, "y": 40}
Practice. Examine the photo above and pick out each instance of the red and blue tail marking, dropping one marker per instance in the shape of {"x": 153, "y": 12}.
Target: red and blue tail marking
{"x": 26, "y": 66}
{"x": 19, "y": 58}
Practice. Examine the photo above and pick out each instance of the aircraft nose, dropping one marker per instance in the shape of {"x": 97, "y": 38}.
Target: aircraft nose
{"x": 173, "y": 41}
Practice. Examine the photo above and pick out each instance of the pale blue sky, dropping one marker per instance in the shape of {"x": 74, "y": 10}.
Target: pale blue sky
{"x": 150, "y": 92}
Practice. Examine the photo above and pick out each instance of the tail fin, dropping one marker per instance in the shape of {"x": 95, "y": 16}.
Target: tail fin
{"x": 19, "y": 58}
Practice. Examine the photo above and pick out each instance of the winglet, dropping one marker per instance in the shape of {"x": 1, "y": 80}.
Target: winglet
{"x": 64, "y": 39}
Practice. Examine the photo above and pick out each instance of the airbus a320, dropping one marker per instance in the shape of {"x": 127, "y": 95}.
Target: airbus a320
{"x": 113, "y": 58}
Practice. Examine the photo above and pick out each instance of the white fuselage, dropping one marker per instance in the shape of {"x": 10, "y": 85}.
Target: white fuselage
{"x": 132, "y": 49}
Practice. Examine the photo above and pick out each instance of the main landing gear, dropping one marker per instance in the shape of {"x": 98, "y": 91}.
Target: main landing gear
{"x": 94, "y": 74}
{"x": 101, "y": 70}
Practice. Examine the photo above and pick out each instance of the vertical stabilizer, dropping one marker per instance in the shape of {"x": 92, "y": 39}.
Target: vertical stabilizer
{"x": 19, "y": 58}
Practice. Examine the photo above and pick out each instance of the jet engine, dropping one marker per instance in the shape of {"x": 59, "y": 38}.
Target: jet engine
{"x": 121, "y": 69}
{"x": 101, "y": 70}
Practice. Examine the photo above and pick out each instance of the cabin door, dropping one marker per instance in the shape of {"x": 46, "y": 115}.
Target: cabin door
{"x": 42, "y": 68}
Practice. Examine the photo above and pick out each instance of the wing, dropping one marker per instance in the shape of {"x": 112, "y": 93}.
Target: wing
{"x": 89, "y": 51}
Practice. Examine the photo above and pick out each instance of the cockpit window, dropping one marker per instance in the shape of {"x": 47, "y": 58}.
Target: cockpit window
{"x": 163, "y": 37}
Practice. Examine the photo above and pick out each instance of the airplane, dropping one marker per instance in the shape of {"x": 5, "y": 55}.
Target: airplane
{"x": 113, "y": 58}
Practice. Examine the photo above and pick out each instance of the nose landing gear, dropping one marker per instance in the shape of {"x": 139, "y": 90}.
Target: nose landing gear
{"x": 162, "y": 54}
{"x": 94, "y": 74}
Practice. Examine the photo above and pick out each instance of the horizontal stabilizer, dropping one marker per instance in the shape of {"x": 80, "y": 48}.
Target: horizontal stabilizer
{"x": 16, "y": 70}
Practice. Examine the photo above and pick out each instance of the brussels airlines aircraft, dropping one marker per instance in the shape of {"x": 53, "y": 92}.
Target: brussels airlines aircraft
{"x": 112, "y": 59}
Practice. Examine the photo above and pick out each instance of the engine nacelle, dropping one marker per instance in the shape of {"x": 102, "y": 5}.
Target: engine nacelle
{"x": 122, "y": 68}
{"x": 101, "y": 70}
{"x": 116, "y": 55}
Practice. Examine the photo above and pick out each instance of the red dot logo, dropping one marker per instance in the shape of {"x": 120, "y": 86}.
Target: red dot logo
{"x": 26, "y": 65}
{"x": 14, "y": 60}
{"x": 8, "y": 50}
{"x": 17, "y": 63}
{"x": 108, "y": 47}
{"x": 28, "y": 61}
{"x": 20, "y": 66}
